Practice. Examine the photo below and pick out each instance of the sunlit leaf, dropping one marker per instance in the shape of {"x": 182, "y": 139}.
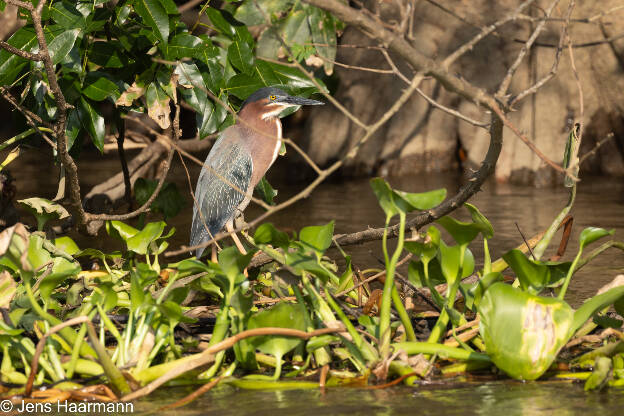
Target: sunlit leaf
{"x": 155, "y": 16}
{"x": 318, "y": 238}
{"x": 591, "y": 234}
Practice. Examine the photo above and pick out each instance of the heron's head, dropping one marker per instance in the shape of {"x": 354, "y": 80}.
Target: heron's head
{"x": 271, "y": 101}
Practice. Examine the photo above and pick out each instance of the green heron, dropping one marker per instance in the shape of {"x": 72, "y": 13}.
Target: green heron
{"x": 237, "y": 162}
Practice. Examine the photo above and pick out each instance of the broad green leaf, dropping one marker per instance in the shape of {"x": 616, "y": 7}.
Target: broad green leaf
{"x": 120, "y": 230}
{"x": 44, "y": 210}
{"x": 243, "y": 85}
{"x": 268, "y": 234}
{"x": 266, "y": 191}
{"x": 601, "y": 374}
{"x": 591, "y": 234}
{"x": 140, "y": 242}
{"x": 462, "y": 232}
{"x": 423, "y": 200}
{"x": 523, "y": 333}
{"x": 282, "y": 315}
{"x": 170, "y": 6}
{"x": 232, "y": 263}
{"x": 241, "y": 56}
{"x": 105, "y": 295}
{"x": 92, "y": 122}
{"x": 72, "y": 128}
{"x": 479, "y": 288}
{"x": 99, "y": 87}
{"x": 532, "y": 275}
{"x": 225, "y": 23}
{"x": 477, "y": 218}
{"x": 60, "y": 46}
{"x": 426, "y": 248}
{"x": 318, "y": 238}
{"x": 107, "y": 54}
{"x": 183, "y": 45}
{"x": 449, "y": 257}
{"x": 67, "y": 245}
{"x": 66, "y": 15}
{"x": 155, "y": 16}
{"x": 11, "y": 65}
{"x": 595, "y": 304}
{"x": 295, "y": 29}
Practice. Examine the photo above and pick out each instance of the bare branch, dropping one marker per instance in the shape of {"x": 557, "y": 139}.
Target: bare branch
{"x": 19, "y": 52}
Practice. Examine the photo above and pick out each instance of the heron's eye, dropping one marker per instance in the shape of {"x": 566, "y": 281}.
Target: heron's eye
{"x": 272, "y": 97}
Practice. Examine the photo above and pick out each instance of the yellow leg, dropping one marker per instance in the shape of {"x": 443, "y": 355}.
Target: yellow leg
{"x": 213, "y": 256}
{"x": 230, "y": 228}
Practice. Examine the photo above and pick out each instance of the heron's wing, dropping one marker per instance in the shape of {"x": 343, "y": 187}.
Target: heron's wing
{"x": 221, "y": 188}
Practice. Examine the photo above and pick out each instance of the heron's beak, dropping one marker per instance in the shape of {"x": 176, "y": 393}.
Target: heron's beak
{"x": 300, "y": 101}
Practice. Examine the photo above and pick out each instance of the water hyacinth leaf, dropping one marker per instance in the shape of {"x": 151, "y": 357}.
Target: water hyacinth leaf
{"x": 601, "y": 374}
{"x": 532, "y": 275}
{"x": 155, "y": 16}
{"x": 591, "y": 234}
{"x": 423, "y": 200}
{"x": 462, "y": 232}
{"x": 232, "y": 263}
{"x": 595, "y": 304}
{"x": 98, "y": 87}
{"x": 241, "y": 56}
{"x": 158, "y": 105}
{"x": 105, "y": 295}
{"x": 449, "y": 258}
{"x": 60, "y": 46}
{"x": 268, "y": 234}
{"x": 266, "y": 191}
{"x": 317, "y": 238}
{"x": 523, "y": 333}
{"x": 61, "y": 270}
{"x": 93, "y": 122}
{"x": 282, "y": 315}
{"x": 426, "y": 248}
{"x": 479, "y": 219}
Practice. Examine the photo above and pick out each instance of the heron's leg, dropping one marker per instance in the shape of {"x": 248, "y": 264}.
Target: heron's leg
{"x": 213, "y": 256}
{"x": 230, "y": 228}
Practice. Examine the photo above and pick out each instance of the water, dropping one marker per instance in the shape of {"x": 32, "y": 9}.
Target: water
{"x": 352, "y": 205}
{"x": 509, "y": 398}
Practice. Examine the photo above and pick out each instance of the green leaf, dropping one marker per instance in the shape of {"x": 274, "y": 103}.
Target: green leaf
{"x": 241, "y": 56}
{"x": 11, "y": 65}
{"x": 427, "y": 248}
{"x": 8, "y": 288}
{"x": 44, "y": 210}
{"x": 155, "y": 16}
{"x": 595, "y": 304}
{"x": 266, "y": 191}
{"x": 462, "y": 232}
{"x": 67, "y": 245}
{"x": 249, "y": 14}
{"x": 268, "y": 234}
{"x": 318, "y": 238}
{"x": 243, "y": 85}
{"x": 394, "y": 202}
{"x": 282, "y": 315}
{"x": 108, "y": 54}
{"x": 323, "y": 29}
{"x": 140, "y": 242}
{"x": 479, "y": 219}
{"x": 523, "y": 333}
{"x": 72, "y": 128}
{"x": 66, "y": 15}
{"x": 92, "y": 122}
{"x": 99, "y": 87}
{"x": 295, "y": 29}
{"x": 60, "y": 46}
{"x": 449, "y": 257}
{"x": 532, "y": 275}
{"x": 169, "y": 201}
{"x": 183, "y": 45}
{"x": 120, "y": 230}
{"x": 591, "y": 234}
{"x": 423, "y": 200}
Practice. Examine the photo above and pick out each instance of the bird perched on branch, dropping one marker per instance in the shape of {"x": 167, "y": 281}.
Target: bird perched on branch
{"x": 237, "y": 162}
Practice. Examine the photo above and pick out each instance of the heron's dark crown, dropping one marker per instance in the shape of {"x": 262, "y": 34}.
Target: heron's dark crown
{"x": 265, "y": 92}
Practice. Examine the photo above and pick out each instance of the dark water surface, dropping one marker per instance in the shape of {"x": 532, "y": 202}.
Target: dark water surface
{"x": 600, "y": 202}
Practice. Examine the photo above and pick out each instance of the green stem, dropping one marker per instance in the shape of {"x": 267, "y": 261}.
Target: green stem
{"x": 443, "y": 351}
{"x": 384, "y": 315}
{"x": 22, "y": 136}
{"x": 403, "y": 315}
{"x": 564, "y": 288}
